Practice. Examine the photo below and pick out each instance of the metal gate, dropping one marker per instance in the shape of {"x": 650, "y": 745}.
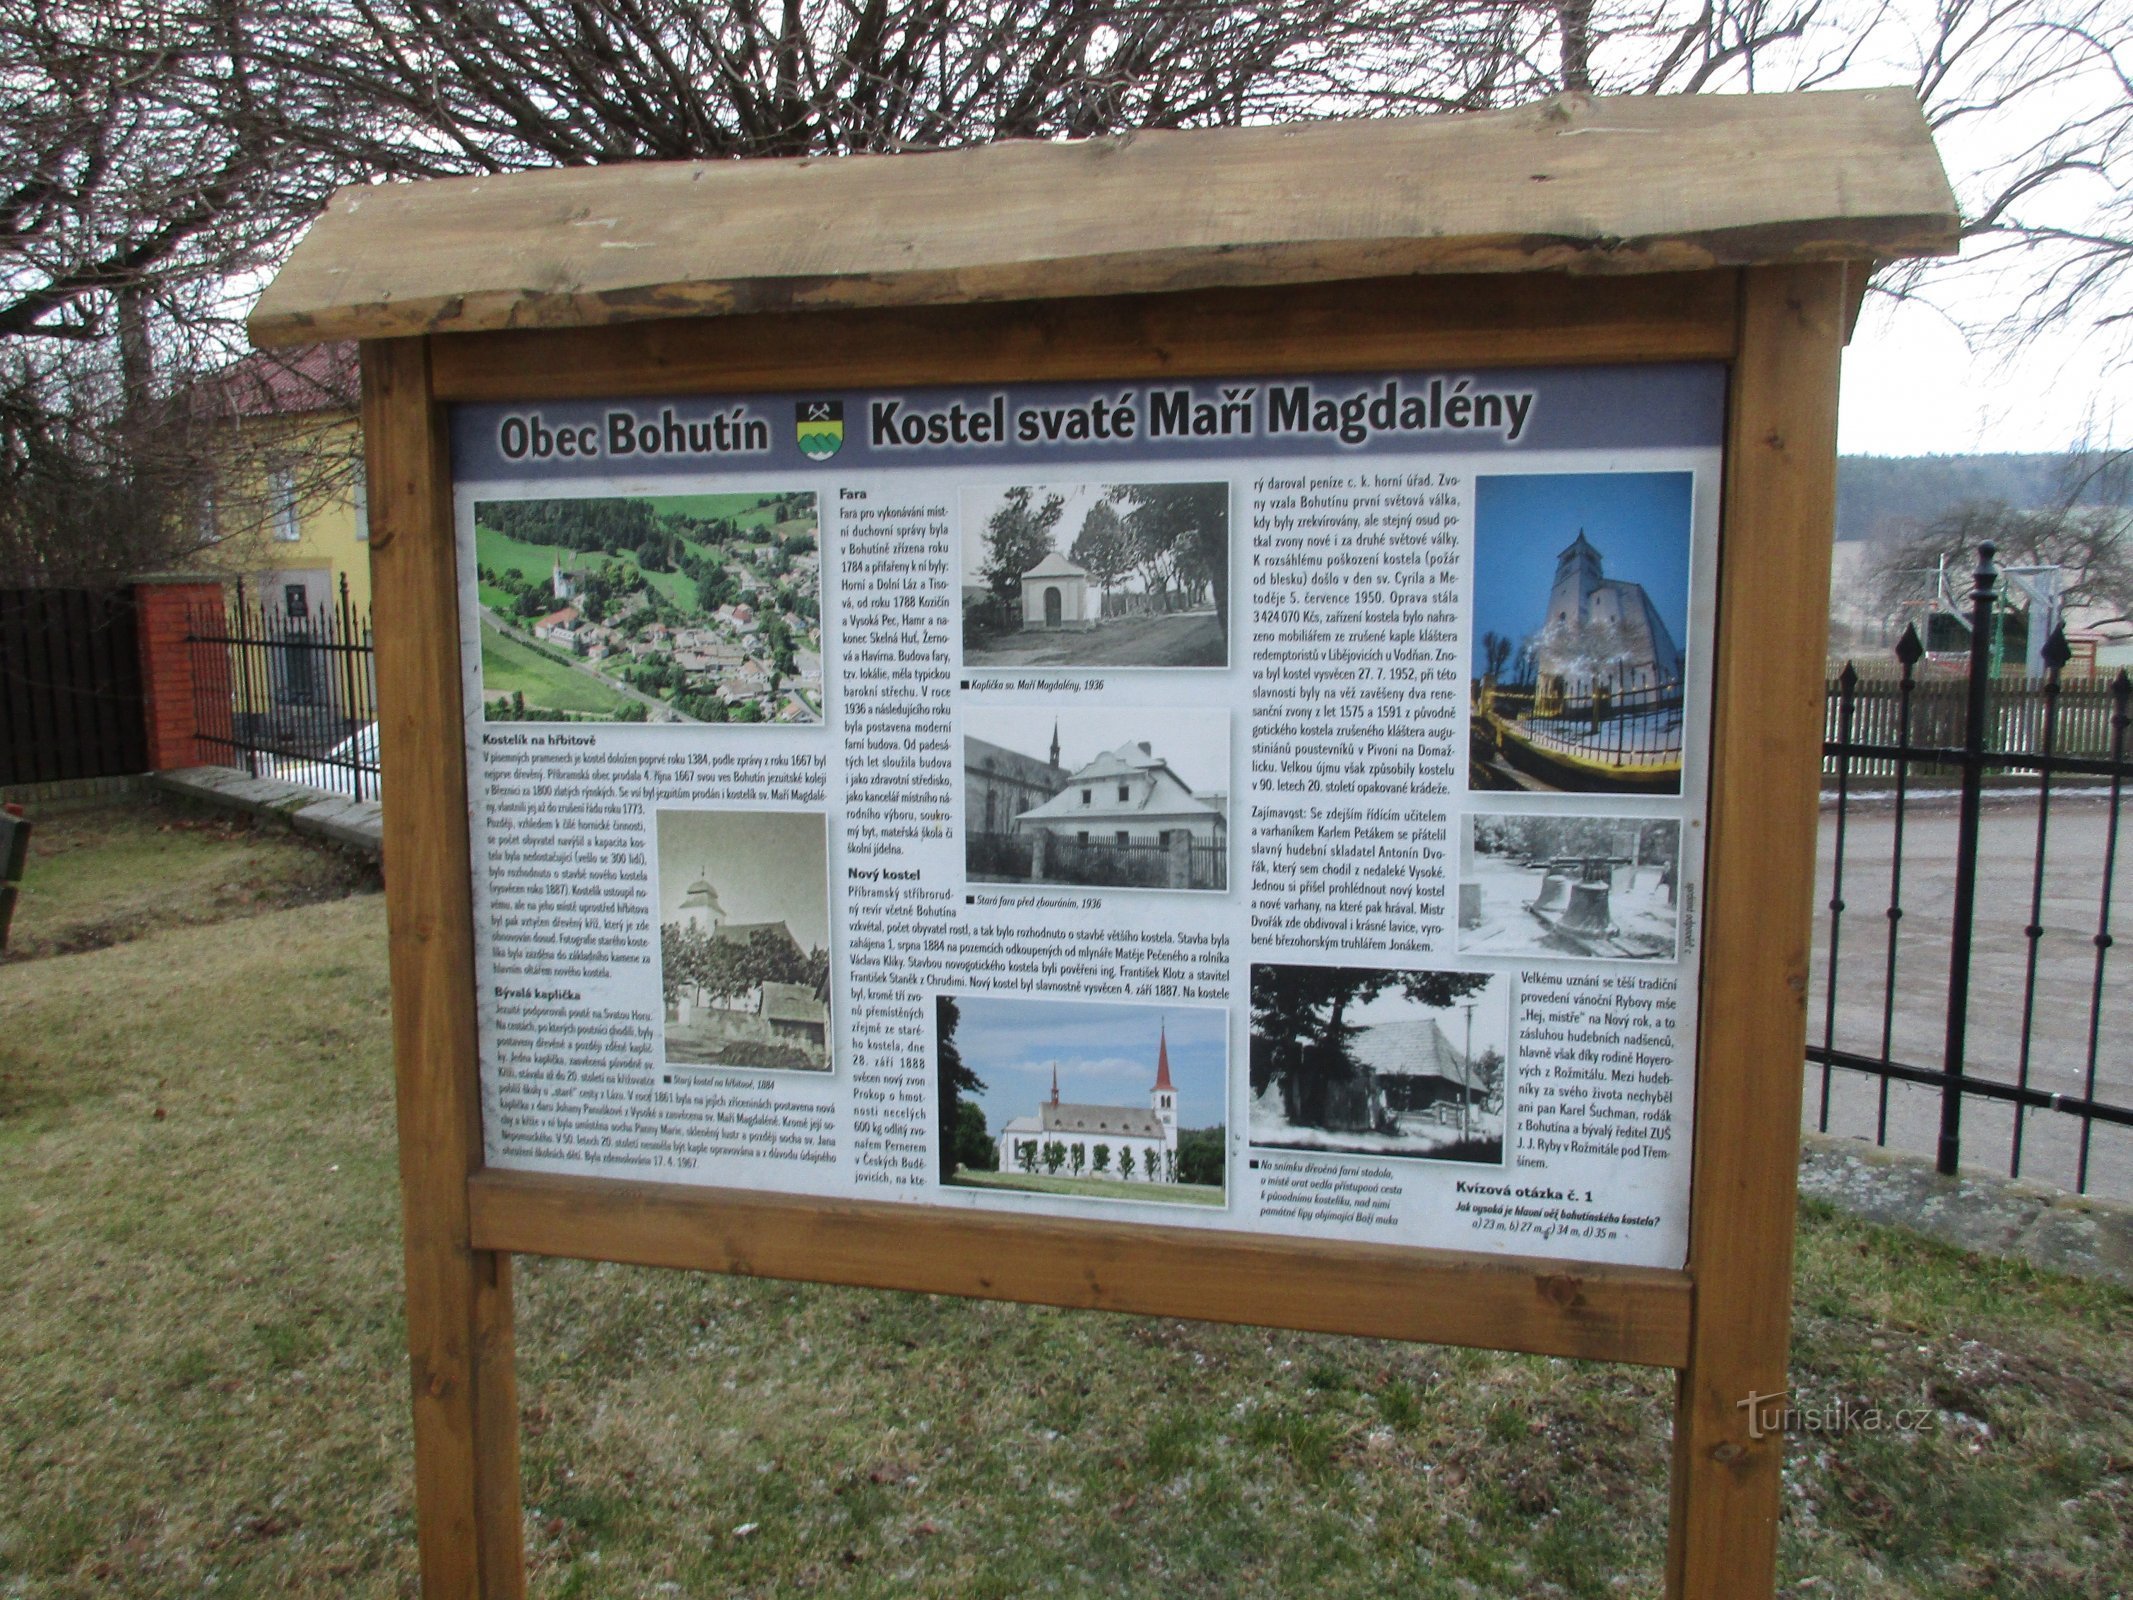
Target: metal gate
{"x": 2041, "y": 765}
{"x": 286, "y": 692}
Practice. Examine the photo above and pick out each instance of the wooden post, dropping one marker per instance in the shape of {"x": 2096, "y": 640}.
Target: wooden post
{"x": 460, "y": 1348}
{"x": 1766, "y": 736}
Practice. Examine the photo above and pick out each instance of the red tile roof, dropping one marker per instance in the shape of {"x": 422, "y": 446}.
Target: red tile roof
{"x": 277, "y": 383}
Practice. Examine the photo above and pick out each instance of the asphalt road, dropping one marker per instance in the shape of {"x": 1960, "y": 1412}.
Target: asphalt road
{"x": 2060, "y": 1011}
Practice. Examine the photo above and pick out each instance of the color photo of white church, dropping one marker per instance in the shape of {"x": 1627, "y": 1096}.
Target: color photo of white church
{"x": 1094, "y": 1099}
{"x": 1581, "y": 585}
{"x": 744, "y": 942}
{"x": 1120, "y": 798}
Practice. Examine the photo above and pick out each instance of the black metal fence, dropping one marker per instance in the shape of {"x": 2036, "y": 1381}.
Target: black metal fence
{"x": 70, "y": 686}
{"x": 2032, "y": 1020}
{"x": 1633, "y": 735}
{"x": 289, "y": 696}
{"x": 1051, "y": 857}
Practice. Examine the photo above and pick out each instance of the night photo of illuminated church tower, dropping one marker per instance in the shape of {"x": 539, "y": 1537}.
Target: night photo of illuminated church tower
{"x": 1601, "y": 631}
{"x": 1578, "y": 687}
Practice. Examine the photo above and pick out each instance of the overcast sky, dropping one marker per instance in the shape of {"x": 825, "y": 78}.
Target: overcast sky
{"x": 982, "y": 500}
{"x": 1912, "y": 386}
{"x": 1492, "y": 1015}
{"x": 767, "y": 866}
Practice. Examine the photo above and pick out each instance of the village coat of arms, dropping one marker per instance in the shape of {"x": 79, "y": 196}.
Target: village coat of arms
{"x": 820, "y": 425}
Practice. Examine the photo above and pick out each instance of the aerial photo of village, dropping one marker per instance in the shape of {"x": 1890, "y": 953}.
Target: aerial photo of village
{"x": 662, "y": 608}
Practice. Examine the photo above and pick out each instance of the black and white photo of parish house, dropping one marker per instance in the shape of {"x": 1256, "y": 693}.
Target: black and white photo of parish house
{"x": 1081, "y": 575}
{"x": 1380, "y": 1061}
{"x": 744, "y": 958}
{"x": 1607, "y": 888}
{"x": 1122, "y": 798}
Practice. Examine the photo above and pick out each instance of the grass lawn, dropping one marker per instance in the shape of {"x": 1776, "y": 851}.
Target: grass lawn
{"x": 98, "y": 877}
{"x": 203, "y": 1382}
{"x": 499, "y": 552}
{"x": 508, "y": 665}
{"x": 1182, "y": 1194}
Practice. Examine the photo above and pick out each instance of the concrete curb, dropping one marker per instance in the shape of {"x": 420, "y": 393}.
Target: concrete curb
{"x": 356, "y": 824}
{"x": 71, "y": 794}
{"x": 2005, "y": 1217}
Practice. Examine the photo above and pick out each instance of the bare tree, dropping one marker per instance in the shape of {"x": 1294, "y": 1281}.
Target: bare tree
{"x": 156, "y": 158}
{"x": 147, "y": 161}
{"x": 2091, "y": 545}
{"x": 422, "y": 88}
{"x": 2036, "y": 99}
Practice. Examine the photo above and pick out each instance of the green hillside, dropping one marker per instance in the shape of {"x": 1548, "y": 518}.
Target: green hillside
{"x": 507, "y": 666}
{"x": 499, "y": 552}
{"x": 1878, "y": 495}
{"x": 743, "y": 510}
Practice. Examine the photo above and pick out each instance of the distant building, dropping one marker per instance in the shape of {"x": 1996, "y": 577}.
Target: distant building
{"x": 1151, "y": 1134}
{"x": 796, "y": 1013}
{"x": 1410, "y": 1066}
{"x": 1601, "y": 632}
{"x": 557, "y": 625}
{"x": 567, "y": 583}
{"x": 287, "y": 510}
{"x": 702, "y": 912}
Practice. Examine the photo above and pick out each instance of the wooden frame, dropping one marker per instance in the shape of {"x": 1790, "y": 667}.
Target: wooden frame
{"x": 1722, "y": 1323}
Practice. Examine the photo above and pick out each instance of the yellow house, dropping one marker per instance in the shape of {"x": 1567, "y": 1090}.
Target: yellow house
{"x": 287, "y": 505}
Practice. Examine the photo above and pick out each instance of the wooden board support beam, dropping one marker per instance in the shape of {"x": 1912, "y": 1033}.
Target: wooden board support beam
{"x": 1733, "y": 229}
{"x": 1413, "y": 322}
{"x": 459, "y": 1328}
{"x": 1766, "y": 732}
{"x": 1378, "y": 1291}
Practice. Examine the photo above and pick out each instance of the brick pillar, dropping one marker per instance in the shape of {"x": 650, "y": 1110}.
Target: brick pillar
{"x": 164, "y": 605}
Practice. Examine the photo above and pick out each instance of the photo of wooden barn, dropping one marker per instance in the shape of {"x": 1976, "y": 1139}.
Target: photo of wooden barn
{"x": 1380, "y": 1061}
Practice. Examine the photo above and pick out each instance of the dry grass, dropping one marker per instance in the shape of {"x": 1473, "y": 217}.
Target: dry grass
{"x": 100, "y": 876}
{"x": 202, "y": 1386}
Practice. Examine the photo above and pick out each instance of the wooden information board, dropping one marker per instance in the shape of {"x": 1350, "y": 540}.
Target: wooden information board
{"x": 1219, "y": 725}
